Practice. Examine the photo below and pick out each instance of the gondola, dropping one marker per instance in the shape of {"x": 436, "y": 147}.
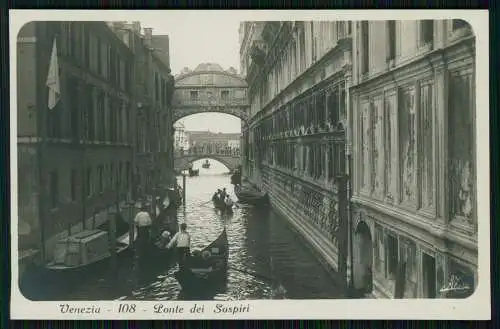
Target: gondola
{"x": 160, "y": 241}
{"x": 207, "y": 269}
{"x": 206, "y": 165}
{"x": 251, "y": 198}
{"x": 222, "y": 206}
{"x": 193, "y": 172}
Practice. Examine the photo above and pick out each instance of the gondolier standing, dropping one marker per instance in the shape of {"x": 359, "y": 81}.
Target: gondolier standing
{"x": 182, "y": 240}
{"x": 143, "y": 222}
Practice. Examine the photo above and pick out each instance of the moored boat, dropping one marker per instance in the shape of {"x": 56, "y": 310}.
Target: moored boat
{"x": 87, "y": 251}
{"x": 254, "y": 198}
{"x": 193, "y": 172}
{"x": 209, "y": 267}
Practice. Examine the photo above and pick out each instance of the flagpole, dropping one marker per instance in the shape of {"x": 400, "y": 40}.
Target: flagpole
{"x": 52, "y": 83}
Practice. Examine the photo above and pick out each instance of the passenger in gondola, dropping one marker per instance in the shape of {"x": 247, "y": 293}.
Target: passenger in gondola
{"x": 200, "y": 259}
{"x": 229, "y": 202}
{"x": 224, "y": 194}
{"x": 163, "y": 240}
{"x": 182, "y": 241}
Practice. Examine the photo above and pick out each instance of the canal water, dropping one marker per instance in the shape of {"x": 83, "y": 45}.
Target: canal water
{"x": 267, "y": 260}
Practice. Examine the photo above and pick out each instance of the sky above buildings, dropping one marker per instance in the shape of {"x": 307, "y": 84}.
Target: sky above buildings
{"x": 200, "y": 37}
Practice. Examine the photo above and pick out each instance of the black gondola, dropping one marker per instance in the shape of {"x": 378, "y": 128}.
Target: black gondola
{"x": 169, "y": 224}
{"x": 251, "y": 198}
{"x": 208, "y": 268}
{"x": 221, "y": 205}
{"x": 206, "y": 165}
{"x": 193, "y": 172}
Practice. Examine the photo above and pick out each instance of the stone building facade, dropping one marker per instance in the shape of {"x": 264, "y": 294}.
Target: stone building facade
{"x": 79, "y": 160}
{"x": 153, "y": 89}
{"x": 74, "y": 161}
{"x": 181, "y": 138}
{"x": 413, "y": 124}
{"x": 294, "y": 145}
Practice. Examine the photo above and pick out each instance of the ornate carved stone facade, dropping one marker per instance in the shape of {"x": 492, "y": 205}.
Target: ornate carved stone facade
{"x": 209, "y": 88}
{"x": 413, "y": 124}
{"x": 294, "y": 146}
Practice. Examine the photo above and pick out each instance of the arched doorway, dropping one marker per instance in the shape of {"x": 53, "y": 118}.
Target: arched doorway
{"x": 363, "y": 259}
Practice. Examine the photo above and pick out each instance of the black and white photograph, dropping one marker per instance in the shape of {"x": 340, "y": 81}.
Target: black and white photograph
{"x": 200, "y": 163}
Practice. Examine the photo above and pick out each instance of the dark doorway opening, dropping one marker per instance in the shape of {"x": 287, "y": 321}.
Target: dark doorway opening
{"x": 429, "y": 275}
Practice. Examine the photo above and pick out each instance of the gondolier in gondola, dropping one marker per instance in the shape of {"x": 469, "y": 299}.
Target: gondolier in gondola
{"x": 143, "y": 223}
{"x": 182, "y": 241}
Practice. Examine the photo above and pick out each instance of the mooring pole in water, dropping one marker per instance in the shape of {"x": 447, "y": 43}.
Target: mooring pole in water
{"x": 112, "y": 243}
{"x": 131, "y": 228}
{"x": 184, "y": 189}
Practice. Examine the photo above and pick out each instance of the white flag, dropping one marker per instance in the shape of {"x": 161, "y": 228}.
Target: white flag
{"x": 53, "y": 78}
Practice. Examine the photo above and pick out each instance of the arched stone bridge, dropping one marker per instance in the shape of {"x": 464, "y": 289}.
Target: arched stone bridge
{"x": 209, "y": 88}
{"x": 229, "y": 157}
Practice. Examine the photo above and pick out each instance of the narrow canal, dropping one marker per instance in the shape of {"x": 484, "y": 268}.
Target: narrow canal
{"x": 267, "y": 259}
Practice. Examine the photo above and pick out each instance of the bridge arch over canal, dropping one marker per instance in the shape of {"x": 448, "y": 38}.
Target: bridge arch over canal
{"x": 210, "y": 88}
{"x": 182, "y": 162}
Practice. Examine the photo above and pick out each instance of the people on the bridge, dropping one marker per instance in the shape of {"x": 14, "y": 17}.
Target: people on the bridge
{"x": 143, "y": 223}
{"x": 182, "y": 241}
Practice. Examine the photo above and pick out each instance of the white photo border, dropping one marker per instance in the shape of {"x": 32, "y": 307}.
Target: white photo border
{"x": 478, "y": 306}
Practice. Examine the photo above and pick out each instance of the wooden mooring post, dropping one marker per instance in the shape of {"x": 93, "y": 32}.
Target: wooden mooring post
{"x": 131, "y": 226}
{"x": 184, "y": 189}
{"x": 112, "y": 215}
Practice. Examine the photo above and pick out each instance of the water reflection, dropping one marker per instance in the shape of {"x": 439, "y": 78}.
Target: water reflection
{"x": 266, "y": 258}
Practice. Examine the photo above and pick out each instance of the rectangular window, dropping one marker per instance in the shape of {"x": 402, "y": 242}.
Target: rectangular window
{"x": 112, "y": 176}
{"x": 193, "y": 95}
{"x": 54, "y": 189}
{"x": 90, "y": 113}
{"x": 74, "y": 106}
{"x": 127, "y": 174}
{"x": 364, "y": 47}
{"x": 100, "y": 178}
{"x": 101, "y": 123}
{"x": 73, "y": 182}
{"x": 119, "y": 174}
{"x": 86, "y": 46}
{"x": 391, "y": 40}
{"x": 426, "y": 31}
{"x": 99, "y": 56}
{"x": 157, "y": 87}
{"x": 224, "y": 94}
{"x": 88, "y": 180}
{"x": 392, "y": 256}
